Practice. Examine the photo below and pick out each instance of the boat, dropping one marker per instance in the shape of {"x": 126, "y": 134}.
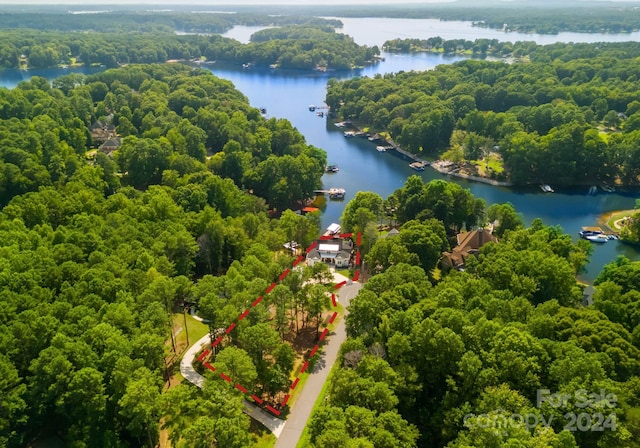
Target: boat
{"x": 273, "y": 66}
{"x": 246, "y": 65}
{"x": 546, "y": 188}
{"x": 374, "y": 138}
{"x": 381, "y": 148}
{"x": 332, "y": 169}
{"x": 598, "y": 238}
{"x": 593, "y": 190}
{"x": 312, "y": 108}
{"x": 336, "y": 193}
{"x": 418, "y": 166}
{"x": 320, "y": 114}
{"x": 607, "y": 188}
{"x": 263, "y": 110}
{"x": 349, "y": 134}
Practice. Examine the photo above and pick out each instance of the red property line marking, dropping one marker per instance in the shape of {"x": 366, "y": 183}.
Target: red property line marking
{"x": 313, "y": 245}
{"x": 358, "y": 258}
{"x": 340, "y": 285}
{"x": 326, "y": 237}
{"x": 356, "y": 276}
{"x": 203, "y": 355}
{"x": 244, "y": 314}
{"x": 273, "y": 410}
{"x": 345, "y": 235}
{"x": 225, "y": 377}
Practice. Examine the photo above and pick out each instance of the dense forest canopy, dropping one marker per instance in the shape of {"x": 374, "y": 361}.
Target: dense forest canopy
{"x": 99, "y": 251}
{"x": 293, "y": 47}
{"x": 542, "y": 17}
{"x": 567, "y": 113}
{"x": 108, "y": 21}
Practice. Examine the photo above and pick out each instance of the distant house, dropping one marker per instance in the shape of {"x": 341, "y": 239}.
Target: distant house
{"x": 101, "y": 132}
{"x": 110, "y": 146}
{"x": 335, "y": 252}
{"x": 469, "y": 243}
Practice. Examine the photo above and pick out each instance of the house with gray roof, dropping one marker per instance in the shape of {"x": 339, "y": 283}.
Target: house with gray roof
{"x": 334, "y": 252}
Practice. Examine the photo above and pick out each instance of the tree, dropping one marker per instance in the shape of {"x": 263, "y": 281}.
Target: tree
{"x": 140, "y": 405}
{"x": 236, "y": 363}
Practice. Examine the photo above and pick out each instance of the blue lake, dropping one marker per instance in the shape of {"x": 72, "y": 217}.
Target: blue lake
{"x": 287, "y": 94}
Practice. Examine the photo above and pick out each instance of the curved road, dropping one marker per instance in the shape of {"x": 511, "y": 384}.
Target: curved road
{"x": 303, "y": 406}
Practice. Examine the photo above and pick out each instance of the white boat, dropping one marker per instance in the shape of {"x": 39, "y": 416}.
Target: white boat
{"x": 381, "y": 148}
{"x": 598, "y": 238}
{"x": 332, "y": 169}
{"x": 546, "y": 188}
{"x": 418, "y": 166}
{"x": 336, "y": 193}
{"x": 349, "y": 134}
{"x": 607, "y": 188}
{"x": 312, "y": 107}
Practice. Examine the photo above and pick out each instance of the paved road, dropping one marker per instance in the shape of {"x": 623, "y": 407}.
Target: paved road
{"x": 301, "y": 411}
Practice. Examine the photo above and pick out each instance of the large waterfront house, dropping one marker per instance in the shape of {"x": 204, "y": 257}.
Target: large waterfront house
{"x": 334, "y": 252}
{"x": 469, "y": 243}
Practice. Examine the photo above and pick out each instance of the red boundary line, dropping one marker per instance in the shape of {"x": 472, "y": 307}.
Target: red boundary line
{"x": 244, "y": 314}
{"x": 203, "y": 355}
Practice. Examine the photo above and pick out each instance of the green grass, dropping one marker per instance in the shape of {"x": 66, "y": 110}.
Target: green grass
{"x": 615, "y": 216}
{"x": 261, "y": 437}
{"x": 196, "y": 329}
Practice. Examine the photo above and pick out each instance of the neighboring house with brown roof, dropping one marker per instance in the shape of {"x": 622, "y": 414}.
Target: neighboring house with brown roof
{"x": 111, "y": 145}
{"x": 469, "y": 243}
{"x": 101, "y": 132}
{"x": 335, "y": 252}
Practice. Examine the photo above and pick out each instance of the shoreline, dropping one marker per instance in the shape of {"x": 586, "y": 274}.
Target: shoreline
{"x": 440, "y": 167}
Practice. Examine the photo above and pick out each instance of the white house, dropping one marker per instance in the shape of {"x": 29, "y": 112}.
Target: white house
{"x": 335, "y": 252}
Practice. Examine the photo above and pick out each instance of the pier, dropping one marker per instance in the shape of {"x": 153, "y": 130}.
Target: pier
{"x": 334, "y": 193}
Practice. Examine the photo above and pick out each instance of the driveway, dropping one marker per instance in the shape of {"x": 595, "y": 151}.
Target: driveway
{"x": 302, "y": 408}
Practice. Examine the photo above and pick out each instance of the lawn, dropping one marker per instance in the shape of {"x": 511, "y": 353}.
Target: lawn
{"x": 261, "y": 437}
{"x": 195, "y": 330}
{"x": 492, "y": 162}
{"x": 612, "y": 218}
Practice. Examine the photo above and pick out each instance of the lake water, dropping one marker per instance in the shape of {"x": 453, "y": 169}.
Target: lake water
{"x": 287, "y": 94}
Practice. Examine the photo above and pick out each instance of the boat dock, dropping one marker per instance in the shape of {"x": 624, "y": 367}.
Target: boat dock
{"x": 334, "y": 193}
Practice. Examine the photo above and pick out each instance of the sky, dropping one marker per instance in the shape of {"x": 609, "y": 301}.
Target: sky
{"x": 239, "y": 2}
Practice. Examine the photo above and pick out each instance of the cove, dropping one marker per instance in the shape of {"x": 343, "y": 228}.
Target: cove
{"x": 288, "y": 94}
